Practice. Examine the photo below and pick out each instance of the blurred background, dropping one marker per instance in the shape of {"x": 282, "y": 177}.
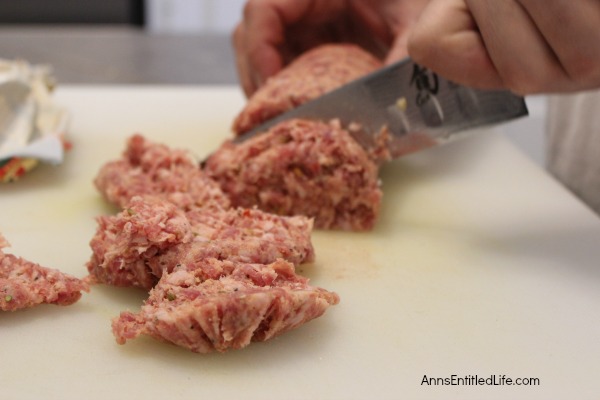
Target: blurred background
{"x": 124, "y": 41}
{"x": 177, "y": 42}
{"x": 161, "y": 16}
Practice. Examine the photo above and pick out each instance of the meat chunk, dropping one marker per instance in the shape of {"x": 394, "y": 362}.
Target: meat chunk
{"x": 124, "y": 242}
{"x": 134, "y": 247}
{"x": 148, "y": 168}
{"x": 314, "y": 73}
{"x": 222, "y": 305}
{"x": 25, "y": 284}
{"x": 302, "y": 167}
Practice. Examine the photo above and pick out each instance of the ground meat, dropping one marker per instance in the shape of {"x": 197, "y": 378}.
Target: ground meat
{"x": 124, "y": 242}
{"x": 302, "y": 167}
{"x": 152, "y": 234}
{"x": 223, "y": 305}
{"x": 26, "y": 284}
{"x": 314, "y": 73}
{"x": 152, "y": 168}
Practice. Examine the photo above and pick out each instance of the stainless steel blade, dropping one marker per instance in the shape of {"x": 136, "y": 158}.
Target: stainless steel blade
{"x": 407, "y": 99}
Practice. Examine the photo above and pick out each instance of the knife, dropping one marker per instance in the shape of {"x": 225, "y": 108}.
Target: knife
{"x": 410, "y": 101}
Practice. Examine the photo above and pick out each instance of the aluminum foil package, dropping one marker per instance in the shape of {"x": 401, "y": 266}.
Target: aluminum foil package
{"x": 32, "y": 126}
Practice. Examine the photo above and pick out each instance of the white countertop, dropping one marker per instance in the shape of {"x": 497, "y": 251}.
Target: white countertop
{"x": 481, "y": 264}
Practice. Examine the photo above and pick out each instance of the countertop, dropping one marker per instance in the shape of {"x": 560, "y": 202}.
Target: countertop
{"x": 480, "y": 264}
{"x": 122, "y": 55}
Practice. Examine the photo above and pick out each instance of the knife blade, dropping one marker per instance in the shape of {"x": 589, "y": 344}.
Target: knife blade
{"x": 409, "y": 101}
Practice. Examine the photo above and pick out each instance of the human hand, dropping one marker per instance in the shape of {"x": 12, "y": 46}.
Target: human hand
{"x": 274, "y": 32}
{"x": 526, "y": 46}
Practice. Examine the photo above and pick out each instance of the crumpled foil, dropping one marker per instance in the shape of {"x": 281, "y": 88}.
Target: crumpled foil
{"x": 32, "y": 126}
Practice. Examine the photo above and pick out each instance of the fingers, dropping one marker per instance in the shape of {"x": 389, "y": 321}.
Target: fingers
{"x": 274, "y": 32}
{"x": 523, "y": 58}
{"x": 255, "y": 42}
{"x": 572, "y": 29}
{"x": 247, "y": 81}
{"x": 446, "y": 40}
{"x": 526, "y": 46}
{"x": 254, "y": 64}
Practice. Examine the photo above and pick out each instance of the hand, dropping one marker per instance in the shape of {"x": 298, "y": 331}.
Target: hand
{"x": 527, "y": 46}
{"x": 274, "y": 32}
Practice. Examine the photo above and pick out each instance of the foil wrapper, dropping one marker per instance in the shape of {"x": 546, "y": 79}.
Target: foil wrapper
{"x": 32, "y": 127}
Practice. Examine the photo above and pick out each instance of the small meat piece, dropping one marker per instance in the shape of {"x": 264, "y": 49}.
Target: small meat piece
{"x": 25, "y": 284}
{"x": 149, "y": 168}
{"x": 386, "y": 146}
{"x": 134, "y": 247}
{"x": 314, "y": 73}
{"x": 302, "y": 167}
{"x": 224, "y": 305}
{"x": 123, "y": 243}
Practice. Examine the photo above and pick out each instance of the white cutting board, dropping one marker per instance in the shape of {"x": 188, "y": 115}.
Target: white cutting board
{"x": 480, "y": 264}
